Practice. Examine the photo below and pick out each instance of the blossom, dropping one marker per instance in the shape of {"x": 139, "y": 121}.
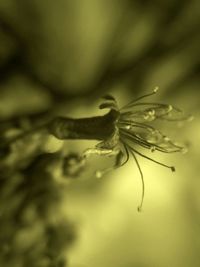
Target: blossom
{"x": 135, "y": 128}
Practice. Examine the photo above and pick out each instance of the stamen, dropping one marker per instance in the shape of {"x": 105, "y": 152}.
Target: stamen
{"x": 175, "y": 119}
{"x": 158, "y": 162}
{"x": 142, "y": 142}
{"x": 152, "y": 111}
{"x": 158, "y": 105}
{"x": 174, "y": 148}
{"x": 142, "y": 179}
{"x": 139, "y": 98}
{"x": 133, "y": 124}
{"x": 127, "y": 154}
{"x": 134, "y": 138}
{"x": 173, "y": 169}
{"x": 100, "y": 173}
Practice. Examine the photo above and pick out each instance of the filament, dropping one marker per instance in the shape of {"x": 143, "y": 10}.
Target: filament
{"x": 139, "y": 98}
{"x": 155, "y": 161}
{"x": 100, "y": 173}
{"x": 142, "y": 142}
{"x": 127, "y": 154}
{"x": 134, "y": 138}
{"x": 137, "y": 139}
{"x": 137, "y": 125}
{"x": 141, "y": 175}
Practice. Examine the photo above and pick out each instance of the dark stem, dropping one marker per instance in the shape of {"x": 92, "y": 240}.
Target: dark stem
{"x": 96, "y": 128}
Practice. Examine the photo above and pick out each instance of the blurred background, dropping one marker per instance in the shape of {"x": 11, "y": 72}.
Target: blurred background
{"x": 59, "y": 58}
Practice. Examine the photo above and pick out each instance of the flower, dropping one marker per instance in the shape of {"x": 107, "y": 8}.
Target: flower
{"x": 136, "y": 124}
{"x": 134, "y": 129}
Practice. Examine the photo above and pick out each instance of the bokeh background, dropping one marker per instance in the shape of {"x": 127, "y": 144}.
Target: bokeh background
{"x": 59, "y": 58}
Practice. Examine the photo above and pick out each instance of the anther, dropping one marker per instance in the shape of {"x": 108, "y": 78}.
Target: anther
{"x": 149, "y": 116}
{"x": 152, "y": 112}
{"x": 139, "y": 209}
{"x": 166, "y": 138}
{"x": 173, "y": 169}
{"x": 128, "y": 127}
{"x": 170, "y": 108}
{"x": 155, "y": 90}
{"x": 184, "y": 150}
